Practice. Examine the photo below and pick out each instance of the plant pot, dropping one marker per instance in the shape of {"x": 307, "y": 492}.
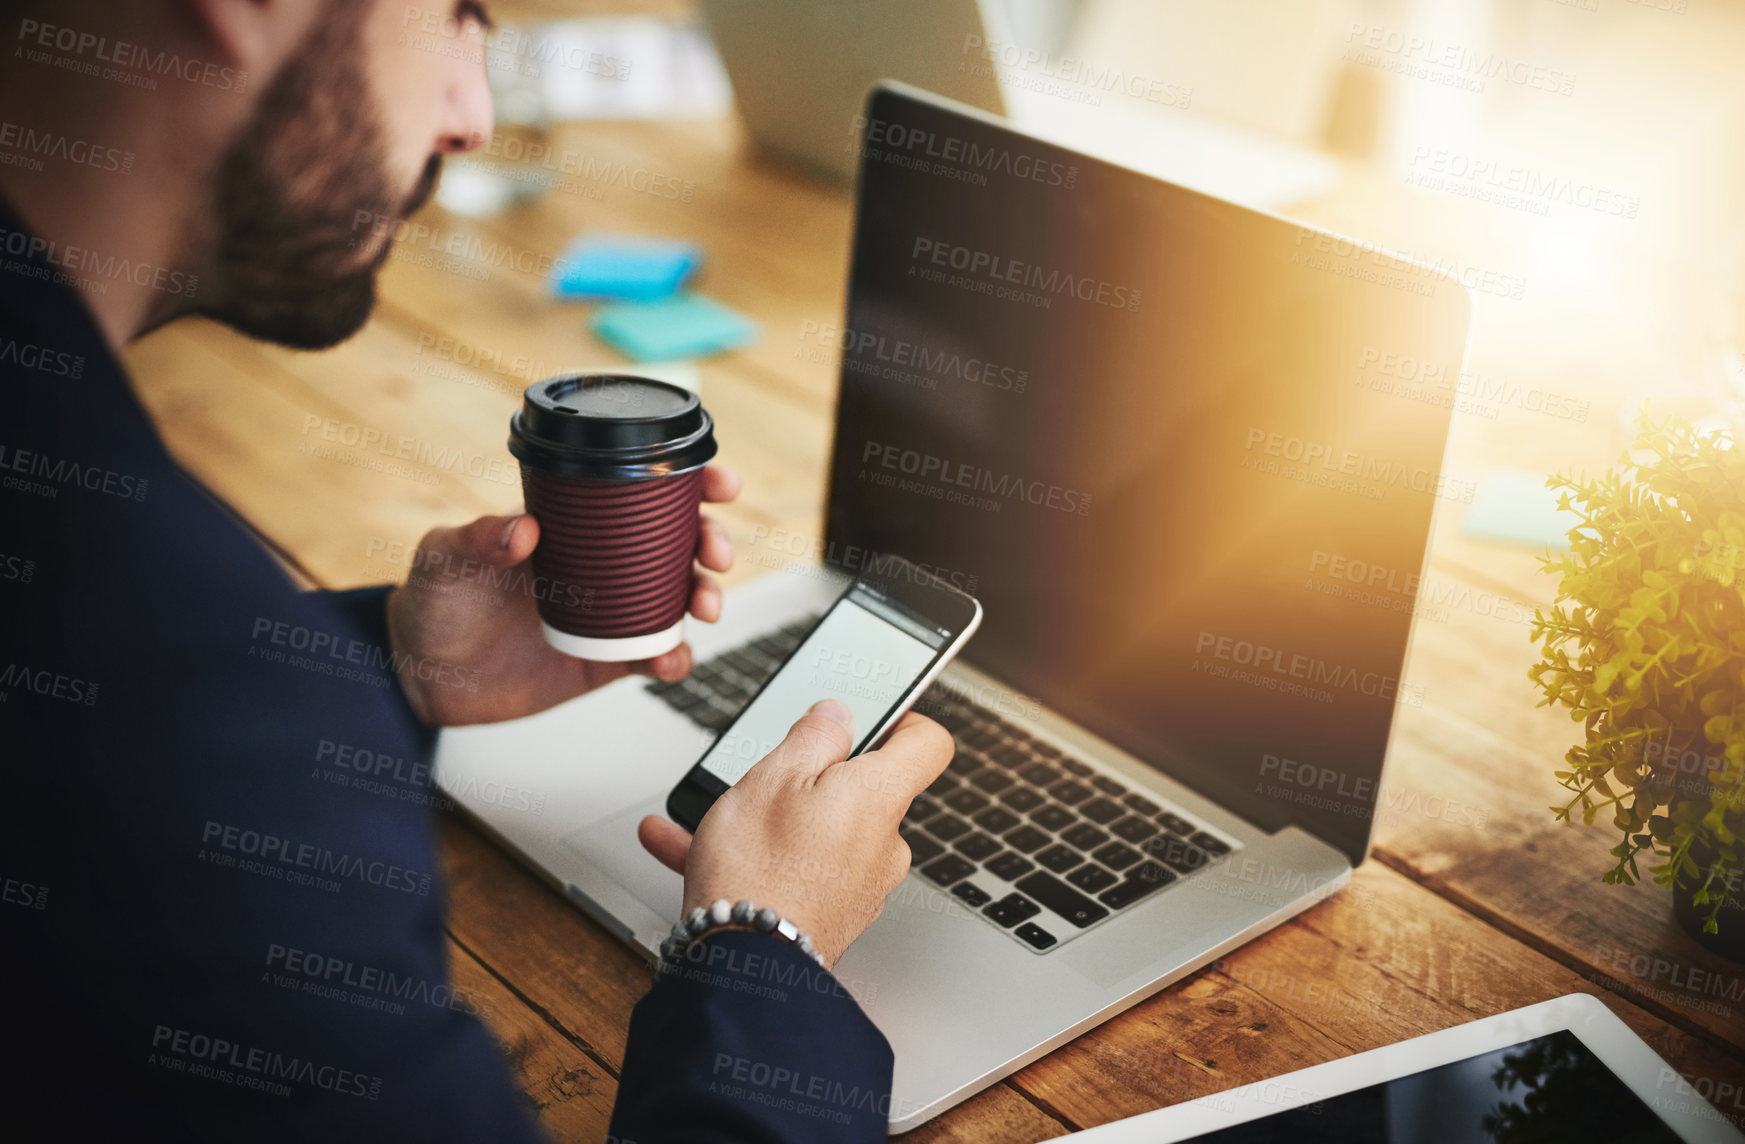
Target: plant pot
{"x": 1730, "y": 941}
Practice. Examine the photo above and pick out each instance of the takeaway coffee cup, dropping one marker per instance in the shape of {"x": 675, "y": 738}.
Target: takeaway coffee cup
{"x": 612, "y": 468}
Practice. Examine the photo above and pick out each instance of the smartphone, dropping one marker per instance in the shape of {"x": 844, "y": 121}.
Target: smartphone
{"x": 876, "y": 649}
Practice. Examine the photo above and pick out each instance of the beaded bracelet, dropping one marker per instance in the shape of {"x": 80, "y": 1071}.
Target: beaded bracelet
{"x": 700, "y": 923}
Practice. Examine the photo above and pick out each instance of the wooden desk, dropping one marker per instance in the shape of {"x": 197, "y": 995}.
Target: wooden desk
{"x": 1475, "y": 901}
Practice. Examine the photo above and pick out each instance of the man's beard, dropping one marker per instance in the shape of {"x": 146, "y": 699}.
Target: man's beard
{"x": 301, "y": 192}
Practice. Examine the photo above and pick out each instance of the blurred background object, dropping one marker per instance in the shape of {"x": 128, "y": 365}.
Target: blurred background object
{"x": 801, "y": 69}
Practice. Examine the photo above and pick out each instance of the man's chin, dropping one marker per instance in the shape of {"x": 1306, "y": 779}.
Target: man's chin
{"x": 315, "y": 320}
{"x": 370, "y": 258}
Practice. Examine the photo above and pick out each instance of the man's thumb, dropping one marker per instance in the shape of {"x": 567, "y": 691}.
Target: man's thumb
{"x": 822, "y": 736}
{"x": 498, "y": 540}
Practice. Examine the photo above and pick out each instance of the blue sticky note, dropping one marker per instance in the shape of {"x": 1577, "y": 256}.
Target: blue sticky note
{"x": 685, "y": 325}
{"x": 1515, "y": 506}
{"x": 635, "y": 268}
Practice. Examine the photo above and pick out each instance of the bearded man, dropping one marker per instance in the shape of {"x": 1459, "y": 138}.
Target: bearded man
{"x": 189, "y": 917}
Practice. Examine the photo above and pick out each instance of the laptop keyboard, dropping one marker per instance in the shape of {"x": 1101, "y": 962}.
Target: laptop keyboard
{"x": 1040, "y": 844}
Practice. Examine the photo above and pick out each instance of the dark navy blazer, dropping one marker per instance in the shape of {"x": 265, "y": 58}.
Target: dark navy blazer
{"x": 220, "y": 909}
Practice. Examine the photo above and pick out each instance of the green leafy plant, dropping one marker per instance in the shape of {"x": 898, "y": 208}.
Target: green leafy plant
{"x": 1645, "y": 645}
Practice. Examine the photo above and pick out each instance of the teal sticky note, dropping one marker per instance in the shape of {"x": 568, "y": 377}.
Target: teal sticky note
{"x": 1515, "y": 506}
{"x": 685, "y": 325}
{"x": 643, "y": 269}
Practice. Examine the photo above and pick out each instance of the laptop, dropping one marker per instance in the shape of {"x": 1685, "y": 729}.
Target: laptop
{"x": 1187, "y": 455}
{"x": 801, "y": 69}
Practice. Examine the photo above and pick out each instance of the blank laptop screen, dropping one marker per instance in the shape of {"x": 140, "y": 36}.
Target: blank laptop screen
{"x": 1186, "y": 454}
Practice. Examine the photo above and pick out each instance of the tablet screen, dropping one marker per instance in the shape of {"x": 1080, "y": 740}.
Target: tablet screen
{"x": 1545, "y": 1091}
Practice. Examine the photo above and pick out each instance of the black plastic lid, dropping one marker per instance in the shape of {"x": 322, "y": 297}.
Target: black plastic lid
{"x": 611, "y": 426}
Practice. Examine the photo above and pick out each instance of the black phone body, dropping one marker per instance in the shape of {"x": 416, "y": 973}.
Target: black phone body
{"x": 876, "y": 649}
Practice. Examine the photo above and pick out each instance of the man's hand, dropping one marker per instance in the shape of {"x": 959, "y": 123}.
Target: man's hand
{"x": 808, "y": 831}
{"x": 469, "y": 606}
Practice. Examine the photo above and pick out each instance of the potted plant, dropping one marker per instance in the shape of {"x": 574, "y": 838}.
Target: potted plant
{"x": 1645, "y": 646}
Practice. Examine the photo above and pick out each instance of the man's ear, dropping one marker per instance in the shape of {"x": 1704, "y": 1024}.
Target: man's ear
{"x": 256, "y": 36}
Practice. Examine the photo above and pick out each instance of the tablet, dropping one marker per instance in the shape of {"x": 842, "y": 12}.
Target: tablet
{"x": 1563, "y": 1070}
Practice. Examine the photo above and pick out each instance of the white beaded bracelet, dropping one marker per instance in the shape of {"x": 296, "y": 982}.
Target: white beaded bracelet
{"x": 700, "y": 922}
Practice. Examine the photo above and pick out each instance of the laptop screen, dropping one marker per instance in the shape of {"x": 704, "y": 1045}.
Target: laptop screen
{"x": 1185, "y": 454}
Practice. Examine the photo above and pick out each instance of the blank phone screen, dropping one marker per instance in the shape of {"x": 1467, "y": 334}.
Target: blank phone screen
{"x": 866, "y": 654}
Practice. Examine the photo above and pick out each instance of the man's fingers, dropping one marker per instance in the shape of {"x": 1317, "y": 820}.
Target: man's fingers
{"x": 669, "y": 842}
{"x": 719, "y": 485}
{"x": 668, "y": 667}
{"x": 521, "y": 538}
{"x": 502, "y": 541}
{"x": 706, "y": 599}
{"x": 714, "y": 549}
{"x": 914, "y": 754}
{"x": 822, "y": 736}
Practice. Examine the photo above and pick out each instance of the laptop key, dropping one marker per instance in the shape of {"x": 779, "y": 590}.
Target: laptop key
{"x": 1091, "y": 878}
{"x": 996, "y": 820}
{"x": 686, "y": 699}
{"x": 1022, "y": 799}
{"x": 920, "y": 809}
{"x": 948, "y": 869}
{"x": 1026, "y": 839}
{"x": 981, "y": 737}
{"x": 1046, "y": 750}
{"x": 923, "y": 850}
{"x": 1053, "y": 817}
{"x": 951, "y": 716}
{"x": 1011, "y": 909}
{"x": 1069, "y": 792}
{"x": 1062, "y": 899}
{"x": 1177, "y": 853}
{"x": 966, "y": 762}
{"x": 713, "y": 718}
{"x": 1117, "y": 856}
{"x": 1101, "y": 810}
{"x": 1060, "y": 859}
{"x": 966, "y": 801}
{"x": 1175, "y": 824}
{"x": 1073, "y": 766}
{"x": 977, "y": 847}
{"x": 991, "y": 780}
{"x": 1108, "y": 786}
{"x": 1084, "y": 836}
{"x": 1145, "y": 880}
{"x": 1152, "y": 872}
{"x": 1009, "y": 866}
{"x": 1041, "y": 774}
{"x": 1188, "y": 862}
{"x": 742, "y": 663}
{"x": 1133, "y": 829}
{"x": 947, "y": 826}
{"x": 1139, "y": 804}
{"x": 1010, "y": 757}
{"x": 1211, "y": 844}
{"x": 943, "y": 785}
{"x": 957, "y": 720}
{"x": 1035, "y": 935}
{"x": 972, "y": 893}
